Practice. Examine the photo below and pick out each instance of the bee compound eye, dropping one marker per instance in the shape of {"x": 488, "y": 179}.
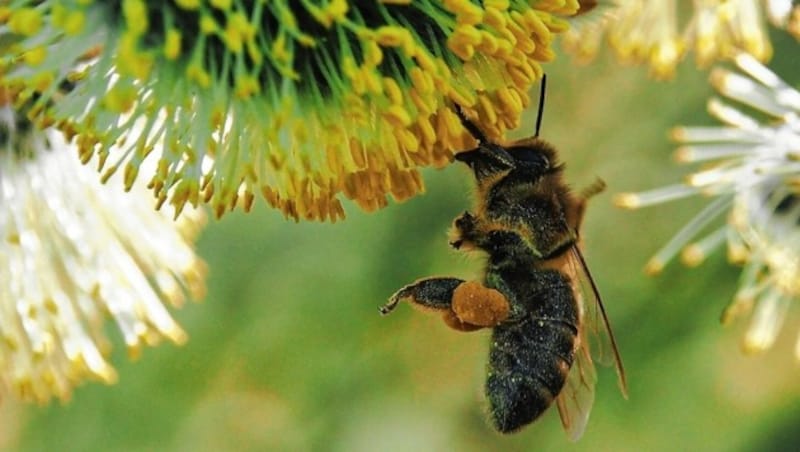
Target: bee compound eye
{"x": 545, "y": 162}
{"x": 532, "y": 156}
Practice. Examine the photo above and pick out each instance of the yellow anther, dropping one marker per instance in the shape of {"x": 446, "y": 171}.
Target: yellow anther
{"x": 196, "y": 73}
{"x": 188, "y": 4}
{"x": 467, "y": 34}
{"x": 131, "y": 171}
{"x": 461, "y": 96}
{"x": 42, "y": 81}
{"x": 407, "y": 140}
{"x": 121, "y": 99}
{"x": 35, "y": 56}
{"x": 421, "y": 80}
{"x": 74, "y": 23}
{"x": 208, "y": 25}
{"x": 135, "y": 13}
{"x": 494, "y": 18}
{"x": 172, "y": 44}
{"x": 279, "y": 50}
{"x": 25, "y": 21}
{"x": 425, "y": 61}
{"x": 223, "y": 5}
{"x": 337, "y": 9}
{"x": 500, "y": 5}
{"x": 466, "y": 12}
{"x": 247, "y": 86}
{"x": 372, "y": 53}
{"x": 392, "y": 90}
{"x": 392, "y": 36}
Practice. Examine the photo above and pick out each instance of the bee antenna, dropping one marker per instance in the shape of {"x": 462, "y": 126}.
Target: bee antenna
{"x": 541, "y": 105}
{"x": 469, "y": 125}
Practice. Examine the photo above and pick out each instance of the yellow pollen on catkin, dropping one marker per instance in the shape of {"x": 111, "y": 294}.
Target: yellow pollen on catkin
{"x": 208, "y": 25}
{"x": 25, "y": 21}
{"x": 337, "y": 10}
{"x": 372, "y": 54}
{"x": 233, "y": 39}
{"x": 189, "y": 5}
{"x": 42, "y": 81}
{"x": 392, "y": 36}
{"x": 131, "y": 60}
{"x": 135, "y": 14}
{"x": 74, "y": 23}
{"x": 421, "y": 80}
{"x": 322, "y": 104}
{"x": 121, "y": 99}
{"x": 172, "y": 44}
{"x": 393, "y": 91}
{"x": 199, "y": 75}
{"x": 222, "y": 5}
{"x": 35, "y": 56}
{"x": 247, "y": 87}
{"x": 129, "y": 175}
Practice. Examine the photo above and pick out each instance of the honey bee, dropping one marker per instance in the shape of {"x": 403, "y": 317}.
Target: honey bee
{"x": 548, "y": 322}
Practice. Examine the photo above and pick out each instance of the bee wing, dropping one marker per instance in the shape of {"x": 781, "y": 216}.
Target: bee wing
{"x": 595, "y": 342}
{"x": 576, "y": 398}
{"x": 596, "y": 331}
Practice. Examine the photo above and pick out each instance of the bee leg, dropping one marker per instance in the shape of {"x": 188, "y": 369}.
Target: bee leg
{"x": 597, "y": 187}
{"x": 578, "y": 209}
{"x": 465, "y": 231}
{"x": 431, "y": 293}
{"x": 476, "y": 304}
{"x": 451, "y": 319}
{"x": 465, "y": 305}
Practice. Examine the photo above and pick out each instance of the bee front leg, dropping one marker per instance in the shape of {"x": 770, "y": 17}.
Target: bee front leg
{"x": 465, "y": 231}
{"x": 465, "y": 305}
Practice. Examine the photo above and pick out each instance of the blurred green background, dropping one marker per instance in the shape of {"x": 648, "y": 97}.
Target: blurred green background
{"x": 288, "y": 351}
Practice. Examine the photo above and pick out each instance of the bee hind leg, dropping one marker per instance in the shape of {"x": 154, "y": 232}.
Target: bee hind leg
{"x": 430, "y": 293}
{"x": 476, "y": 304}
{"x": 465, "y": 305}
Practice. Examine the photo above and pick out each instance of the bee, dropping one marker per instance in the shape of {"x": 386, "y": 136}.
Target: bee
{"x": 548, "y": 322}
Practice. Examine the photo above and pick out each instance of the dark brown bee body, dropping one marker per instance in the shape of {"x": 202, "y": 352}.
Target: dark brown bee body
{"x": 532, "y": 351}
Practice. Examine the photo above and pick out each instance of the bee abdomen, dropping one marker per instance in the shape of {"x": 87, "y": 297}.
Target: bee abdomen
{"x": 528, "y": 365}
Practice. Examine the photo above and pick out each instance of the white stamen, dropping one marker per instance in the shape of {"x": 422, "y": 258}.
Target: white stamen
{"x": 696, "y": 253}
{"x": 747, "y": 91}
{"x": 705, "y": 152}
{"x": 783, "y": 94}
{"x": 715, "y": 134}
{"x": 767, "y": 320}
{"x": 655, "y": 196}
{"x": 730, "y": 115}
{"x": 687, "y": 232}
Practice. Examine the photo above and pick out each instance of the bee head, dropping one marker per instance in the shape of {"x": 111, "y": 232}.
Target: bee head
{"x": 533, "y": 159}
{"x": 487, "y": 160}
{"x": 529, "y": 159}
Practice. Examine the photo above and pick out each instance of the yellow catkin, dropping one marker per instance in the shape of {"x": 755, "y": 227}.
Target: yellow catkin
{"x": 260, "y": 140}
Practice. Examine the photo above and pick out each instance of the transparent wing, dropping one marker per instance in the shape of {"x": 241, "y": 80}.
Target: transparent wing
{"x": 595, "y": 342}
{"x": 575, "y": 400}
{"x": 595, "y": 327}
